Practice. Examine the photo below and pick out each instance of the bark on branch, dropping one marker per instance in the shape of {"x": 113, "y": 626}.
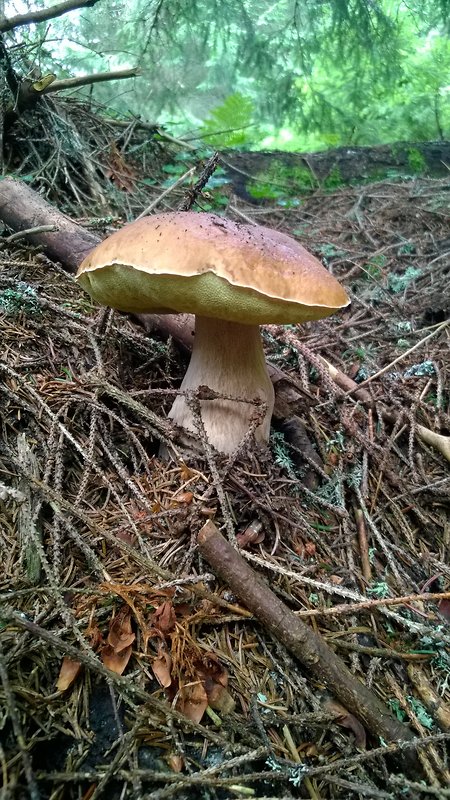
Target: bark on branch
{"x": 307, "y": 646}
{"x": 22, "y": 209}
{"x": 43, "y": 14}
{"x": 87, "y": 80}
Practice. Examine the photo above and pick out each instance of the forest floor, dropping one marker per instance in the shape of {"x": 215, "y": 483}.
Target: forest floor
{"x": 97, "y": 535}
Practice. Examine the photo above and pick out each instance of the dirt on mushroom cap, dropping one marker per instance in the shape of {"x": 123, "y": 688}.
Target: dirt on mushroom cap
{"x": 208, "y": 265}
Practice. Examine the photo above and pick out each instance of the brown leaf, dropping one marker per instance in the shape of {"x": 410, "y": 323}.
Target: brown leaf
{"x": 95, "y": 636}
{"x": 163, "y": 618}
{"x": 120, "y": 635}
{"x": 126, "y": 536}
{"x": 114, "y": 661}
{"x": 67, "y": 674}
{"x": 347, "y": 720}
{"x": 253, "y": 534}
{"x": 162, "y": 666}
{"x": 219, "y": 698}
{"x": 183, "y": 497}
{"x": 193, "y": 701}
{"x": 215, "y": 681}
{"x": 117, "y": 169}
{"x": 186, "y": 472}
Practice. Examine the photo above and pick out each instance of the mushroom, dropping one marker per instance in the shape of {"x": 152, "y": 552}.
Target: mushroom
{"x": 233, "y": 277}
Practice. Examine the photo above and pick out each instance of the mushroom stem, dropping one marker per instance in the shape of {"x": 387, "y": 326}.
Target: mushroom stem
{"x": 229, "y": 359}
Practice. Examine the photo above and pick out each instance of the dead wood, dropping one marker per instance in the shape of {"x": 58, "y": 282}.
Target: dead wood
{"x": 22, "y": 209}
{"x": 88, "y": 80}
{"x": 310, "y": 649}
{"x": 247, "y": 170}
{"x": 43, "y": 14}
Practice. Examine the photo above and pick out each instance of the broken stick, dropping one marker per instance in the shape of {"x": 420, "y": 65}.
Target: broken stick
{"x": 308, "y": 647}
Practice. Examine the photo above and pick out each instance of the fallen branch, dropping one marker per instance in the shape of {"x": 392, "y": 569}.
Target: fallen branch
{"x": 21, "y": 208}
{"x": 436, "y": 440}
{"x": 308, "y": 647}
{"x": 87, "y": 80}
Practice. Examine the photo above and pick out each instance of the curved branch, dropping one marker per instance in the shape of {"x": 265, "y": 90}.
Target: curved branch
{"x": 43, "y": 14}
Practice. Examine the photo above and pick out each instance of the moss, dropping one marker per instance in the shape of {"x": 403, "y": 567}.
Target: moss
{"x": 280, "y": 181}
{"x": 334, "y": 179}
{"x": 416, "y": 161}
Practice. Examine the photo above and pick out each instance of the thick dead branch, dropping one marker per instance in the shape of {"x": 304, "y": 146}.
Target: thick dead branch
{"x": 44, "y": 14}
{"x": 310, "y": 649}
{"x": 87, "y": 80}
{"x": 22, "y": 208}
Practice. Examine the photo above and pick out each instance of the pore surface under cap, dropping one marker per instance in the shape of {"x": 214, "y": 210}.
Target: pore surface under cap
{"x": 207, "y": 265}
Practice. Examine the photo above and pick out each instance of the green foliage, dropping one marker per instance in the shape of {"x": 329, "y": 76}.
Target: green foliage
{"x": 374, "y": 267}
{"x": 416, "y": 160}
{"x": 280, "y": 450}
{"x": 379, "y": 590}
{"x": 312, "y": 75}
{"x": 420, "y": 712}
{"x": 400, "y": 714}
{"x": 281, "y": 183}
{"x": 228, "y": 124}
{"x": 334, "y": 179}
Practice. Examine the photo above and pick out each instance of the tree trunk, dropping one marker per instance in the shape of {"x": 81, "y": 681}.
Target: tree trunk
{"x": 300, "y": 172}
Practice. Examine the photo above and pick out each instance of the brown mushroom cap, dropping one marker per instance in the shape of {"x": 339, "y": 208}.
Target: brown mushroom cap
{"x": 207, "y": 265}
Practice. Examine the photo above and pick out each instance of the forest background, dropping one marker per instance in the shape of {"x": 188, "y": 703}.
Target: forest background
{"x": 258, "y": 74}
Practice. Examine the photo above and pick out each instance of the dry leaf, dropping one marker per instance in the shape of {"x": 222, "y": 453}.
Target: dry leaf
{"x": 253, "y": 534}
{"x": 114, "y": 661}
{"x": 186, "y": 473}
{"x": 193, "y": 701}
{"x": 347, "y": 720}
{"x": 120, "y": 635}
{"x": 67, "y": 674}
{"x": 126, "y": 536}
{"x": 175, "y": 762}
{"x": 162, "y": 666}
{"x": 95, "y": 636}
{"x": 163, "y": 617}
{"x": 183, "y": 497}
{"x": 215, "y": 681}
{"x": 120, "y": 173}
{"x": 219, "y": 698}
